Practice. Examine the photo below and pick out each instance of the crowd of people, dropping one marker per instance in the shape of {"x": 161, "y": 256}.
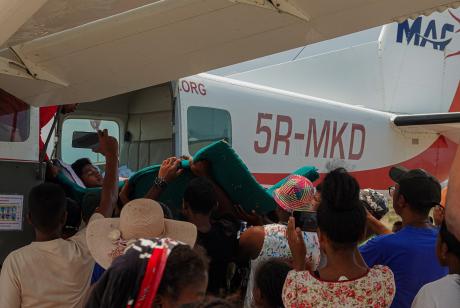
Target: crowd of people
{"x": 323, "y": 246}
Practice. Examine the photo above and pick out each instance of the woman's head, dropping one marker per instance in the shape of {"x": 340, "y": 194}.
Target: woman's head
{"x": 269, "y": 280}
{"x": 341, "y": 216}
{"x": 146, "y": 270}
{"x": 448, "y": 247}
{"x": 186, "y": 271}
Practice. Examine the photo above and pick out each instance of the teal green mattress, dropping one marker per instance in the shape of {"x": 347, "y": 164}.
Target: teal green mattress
{"x": 228, "y": 170}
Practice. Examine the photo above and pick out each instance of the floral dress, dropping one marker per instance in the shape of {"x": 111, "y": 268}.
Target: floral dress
{"x": 276, "y": 246}
{"x": 375, "y": 289}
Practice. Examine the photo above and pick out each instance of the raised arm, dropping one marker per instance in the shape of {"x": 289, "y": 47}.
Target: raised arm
{"x": 297, "y": 246}
{"x": 453, "y": 197}
{"x": 376, "y": 225}
{"x": 108, "y": 146}
{"x": 169, "y": 171}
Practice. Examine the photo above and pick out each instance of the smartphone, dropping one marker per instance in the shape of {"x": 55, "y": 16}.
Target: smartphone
{"x": 85, "y": 140}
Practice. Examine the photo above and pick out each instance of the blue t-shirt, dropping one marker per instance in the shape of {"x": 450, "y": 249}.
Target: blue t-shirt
{"x": 411, "y": 255}
{"x": 98, "y": 271}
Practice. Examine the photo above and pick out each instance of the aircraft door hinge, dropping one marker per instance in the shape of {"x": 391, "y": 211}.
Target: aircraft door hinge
{"x": 25, "y": 68}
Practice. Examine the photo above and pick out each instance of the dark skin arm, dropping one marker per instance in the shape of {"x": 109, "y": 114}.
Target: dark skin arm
{"x": 297, "y": 246}
{"x": 376, "y": 225}
{"x": 250, "y": 243}
{"x": 108, "y": 146}
{"x": 169, "y": 171}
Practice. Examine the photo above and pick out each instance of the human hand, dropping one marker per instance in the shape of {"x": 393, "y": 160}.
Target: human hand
{"x": 296, "y": 245}
{"x": 438, "y": 215}
{"x": 201, "y": 168}
{"x": 124, "y": 193}
{"x": 252, "y": 218}
{"x": 169, "y": 169}
{"x": 107, "y": 145}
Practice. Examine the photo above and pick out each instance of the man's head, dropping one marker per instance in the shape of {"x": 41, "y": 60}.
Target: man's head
{"x": 47, "y": 208}
{"x": 199, "y": 197}
{"x": 415, "y": 191}
{"x": 87, "y": 172}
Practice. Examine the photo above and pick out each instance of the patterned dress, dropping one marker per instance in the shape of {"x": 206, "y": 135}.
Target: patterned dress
{"x": 276, "y": 246}
{"x": 375, "y": 289}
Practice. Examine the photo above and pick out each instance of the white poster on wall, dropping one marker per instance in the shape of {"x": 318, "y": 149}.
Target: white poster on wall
{"x": 11, "y": 212}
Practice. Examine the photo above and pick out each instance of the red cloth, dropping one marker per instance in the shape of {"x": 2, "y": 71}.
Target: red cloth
{"x": 46, "y": 114}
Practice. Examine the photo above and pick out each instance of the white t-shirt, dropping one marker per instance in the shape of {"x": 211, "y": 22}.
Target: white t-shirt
{"x": 441, "y": 293}
{"x": 55, "y": 273}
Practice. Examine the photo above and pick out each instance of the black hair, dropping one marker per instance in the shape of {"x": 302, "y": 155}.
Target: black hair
{"x": 79, "y": 164}
{"x": 74, "y": 216}
{"x": 47, "y": 206}
{"x": 123, "y": 279}
{"x": 200, "y": 196}
{"x": 184, "y": 267}
{"x": 453, "y": 244}
{"x": 269, "y": 279}
{"x": 340, "y": 214}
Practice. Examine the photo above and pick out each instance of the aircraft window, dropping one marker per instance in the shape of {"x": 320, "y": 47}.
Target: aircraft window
{"x": 70, "y": 154}
{"x": 207, "y": 125}
{"x": 14, "y": 118}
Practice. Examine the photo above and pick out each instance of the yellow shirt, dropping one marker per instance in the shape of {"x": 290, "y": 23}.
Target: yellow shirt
{"x": 55, "y": 273}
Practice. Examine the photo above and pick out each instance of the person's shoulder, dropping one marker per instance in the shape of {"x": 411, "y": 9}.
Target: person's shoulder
{"x": 384, "y": 239}
{"x": 25, "y": 250}
{"x": 381, "y": 270}
{"x": 442, "y": 283}
{"x": 252, "y": 237}
{"x": 303, "y": 277}
{"x": 426, "y": 295}
{"x": 254, "y": 232}
{"x": 95, "y": 216}
{"x": 14, "y": 258}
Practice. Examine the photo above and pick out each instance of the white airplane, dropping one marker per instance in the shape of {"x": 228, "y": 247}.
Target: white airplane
{"x": 66, "y": 51}
{"x": 119, "y": 56}
{"x": 357, "y": 107}
{"x": 395, "y": 100}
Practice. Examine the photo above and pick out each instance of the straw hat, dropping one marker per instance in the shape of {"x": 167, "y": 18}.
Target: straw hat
{"x": 141, "y": 218}
{"x": 296, "y": 194}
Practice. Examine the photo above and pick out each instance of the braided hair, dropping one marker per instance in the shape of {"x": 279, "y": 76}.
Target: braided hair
{"x": 340, "y": 214}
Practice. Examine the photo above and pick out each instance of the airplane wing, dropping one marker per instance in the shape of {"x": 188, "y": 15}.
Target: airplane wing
{"x": 447, "y": 124}
{"x": 76, "y": 51}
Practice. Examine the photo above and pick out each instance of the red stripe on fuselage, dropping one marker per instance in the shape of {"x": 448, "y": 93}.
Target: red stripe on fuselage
{"x": 437, "y": 160}
{"x": 455, "y": 106}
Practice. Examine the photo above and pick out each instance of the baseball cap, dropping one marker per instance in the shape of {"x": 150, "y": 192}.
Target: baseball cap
{"x": 421, "y": 189}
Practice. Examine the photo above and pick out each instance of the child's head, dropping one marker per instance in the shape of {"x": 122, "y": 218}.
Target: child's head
{"x": 268, "y": 283}
{"x": 448, "y": 247}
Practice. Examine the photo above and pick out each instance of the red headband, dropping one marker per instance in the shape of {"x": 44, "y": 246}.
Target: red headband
{"x": 153, "y": 273}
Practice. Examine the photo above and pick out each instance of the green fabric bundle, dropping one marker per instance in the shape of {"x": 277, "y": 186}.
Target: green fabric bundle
{"x": 228, "y": 170}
